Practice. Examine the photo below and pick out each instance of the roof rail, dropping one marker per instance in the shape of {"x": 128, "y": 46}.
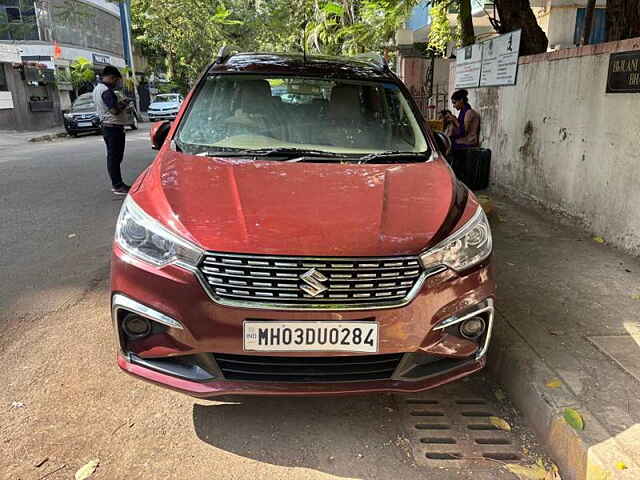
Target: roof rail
{"x": 223, "y": 55}
{"x": 374, "y": 58}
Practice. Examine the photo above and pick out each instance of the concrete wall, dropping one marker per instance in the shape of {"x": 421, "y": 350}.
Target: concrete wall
{"x": 20, "y": 117}
{"x": 559, "y": 139}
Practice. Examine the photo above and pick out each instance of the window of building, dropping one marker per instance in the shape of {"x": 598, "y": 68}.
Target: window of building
{"x": 13, "y": 15}
{"x": 18, "y": 20}
{"x": 598, "y": 30}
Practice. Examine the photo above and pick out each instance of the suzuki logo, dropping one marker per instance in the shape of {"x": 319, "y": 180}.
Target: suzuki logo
{"x": 313, "y": 280}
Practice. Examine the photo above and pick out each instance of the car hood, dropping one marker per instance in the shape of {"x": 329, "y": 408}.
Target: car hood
{"x": 271, "y": 207}
{"x": 164, "y": 105}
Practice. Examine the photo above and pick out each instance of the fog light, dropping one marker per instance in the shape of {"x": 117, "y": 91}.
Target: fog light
{"x": 135, "y": 326}
{"x": 473, "y": 328}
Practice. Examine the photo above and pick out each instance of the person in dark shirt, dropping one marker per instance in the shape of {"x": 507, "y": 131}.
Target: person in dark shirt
{"x": 467, "y": 126}
{"x": 114, "y": 115}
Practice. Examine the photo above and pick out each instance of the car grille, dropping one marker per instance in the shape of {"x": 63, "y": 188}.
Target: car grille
{"x": 251, "y": 368}
{"x": 280, "y": 280}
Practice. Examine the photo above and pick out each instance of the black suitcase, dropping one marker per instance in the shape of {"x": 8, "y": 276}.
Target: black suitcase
{"x": 472, "y": 166}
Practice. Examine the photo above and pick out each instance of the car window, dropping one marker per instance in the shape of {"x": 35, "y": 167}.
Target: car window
{"x": 338, "y": 116}
{"x": 83, "y": 103}
{"x": 166, "y": 98}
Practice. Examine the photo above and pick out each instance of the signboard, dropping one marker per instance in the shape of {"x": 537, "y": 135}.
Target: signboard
{"x": 101, "y": 59}
{"x": 500, "y": 60}
{"x": 6, "y": 100}
{"x": 468, "y": 65}
{"x": 624, "y": 73}
{"x": 9, "y": 54}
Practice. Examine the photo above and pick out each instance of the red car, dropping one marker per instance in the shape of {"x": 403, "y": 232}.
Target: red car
{"x": 300, "y": 233}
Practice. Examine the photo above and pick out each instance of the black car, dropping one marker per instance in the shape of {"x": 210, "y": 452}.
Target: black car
{"x": 82, "y": 118}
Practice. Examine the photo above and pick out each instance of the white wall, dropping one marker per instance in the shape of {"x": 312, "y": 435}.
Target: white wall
{"x": 559, "y": 139}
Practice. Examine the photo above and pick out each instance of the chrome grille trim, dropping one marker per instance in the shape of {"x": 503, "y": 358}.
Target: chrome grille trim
{"x": 272, "y": 282}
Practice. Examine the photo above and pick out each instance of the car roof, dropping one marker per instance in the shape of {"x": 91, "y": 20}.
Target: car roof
{"x": 298, "y": 64}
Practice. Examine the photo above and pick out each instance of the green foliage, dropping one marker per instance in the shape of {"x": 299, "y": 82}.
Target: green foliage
{"x": 183, "y": 34}
{"x": 356, "y": 27}
{"x": 81, "y": 73}
{"x": 181, "y": 37}
{"x": 441, "y": 32}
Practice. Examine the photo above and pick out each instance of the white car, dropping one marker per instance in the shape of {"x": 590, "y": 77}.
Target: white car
{"x": 165, "y": 106}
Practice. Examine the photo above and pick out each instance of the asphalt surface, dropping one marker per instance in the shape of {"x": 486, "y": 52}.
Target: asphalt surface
{"x": 64, "y": 402}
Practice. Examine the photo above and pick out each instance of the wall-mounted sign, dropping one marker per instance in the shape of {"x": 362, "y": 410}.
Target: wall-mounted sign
{"x": 9, "y": 54}
{"x": 6, "y": 100}
{"x": 500, "y": 60}
{"x": 624, "y": 73}
{"x": 101, "y": 59}
{"x": 468, "y": 66}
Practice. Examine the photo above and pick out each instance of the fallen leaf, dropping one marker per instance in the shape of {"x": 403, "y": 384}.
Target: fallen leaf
{"x": 573, "y": 418}
{"x": 500, "y": 423}
{"x": 524, "y": 472}
{"x": 86, "y": 471}
{"x": 598, "y": 239}
{"x": 636, "y": 297}
{"x": 500, "y": 396}
{"x": 554, "y": 383}
{"x": 621, "y": 466}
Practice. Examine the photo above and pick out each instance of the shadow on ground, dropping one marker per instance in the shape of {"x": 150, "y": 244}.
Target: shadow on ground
{"x": 351, "y": 437}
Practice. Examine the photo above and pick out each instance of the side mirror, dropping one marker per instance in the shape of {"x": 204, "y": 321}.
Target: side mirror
{"x": 443, "y": 142}
{"x": 158, "y": 133}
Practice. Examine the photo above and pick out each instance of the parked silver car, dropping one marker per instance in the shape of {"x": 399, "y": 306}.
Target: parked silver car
{"x": 165, "y": 106}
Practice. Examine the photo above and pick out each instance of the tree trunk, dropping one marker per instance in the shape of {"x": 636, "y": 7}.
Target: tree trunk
{"x": 515, "y": 14}
{"x": 623, "y": 19}
{"x": 588, "y": 22}
{"x": 466, "y": 23}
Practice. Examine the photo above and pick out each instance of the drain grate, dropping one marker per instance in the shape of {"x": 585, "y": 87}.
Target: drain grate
{"x": 450, "y": 428}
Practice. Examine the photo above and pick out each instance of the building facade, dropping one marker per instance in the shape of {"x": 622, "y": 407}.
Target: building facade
{"x": 38, "y": 42}
{"x": 561, "y": 20}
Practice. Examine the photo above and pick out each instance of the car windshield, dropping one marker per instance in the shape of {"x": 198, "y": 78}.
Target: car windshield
{"x": 84, "y": 103}
{"x": 347, "y": 117}
{"x": 166, "y": 98}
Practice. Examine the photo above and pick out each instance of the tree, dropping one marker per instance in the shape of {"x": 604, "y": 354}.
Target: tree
{"x": 353, "y": 26}
{"x": 623, "y": 19}
{"x": 465, "y": 21}
{"x": 186, "y": 33}
{"x": 441, "y": 33}
{"x": 81, "y": 73}
{"x": 517, "y": 14}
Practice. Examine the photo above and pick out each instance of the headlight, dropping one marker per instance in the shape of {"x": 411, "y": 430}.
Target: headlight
{"x": 144, "y": 238}
{"x": 465, "y": 248}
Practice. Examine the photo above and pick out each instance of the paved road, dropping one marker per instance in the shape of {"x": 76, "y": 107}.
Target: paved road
{"x": 64, "y": 400}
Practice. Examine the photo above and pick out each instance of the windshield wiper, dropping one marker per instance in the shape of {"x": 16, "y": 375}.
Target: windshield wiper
{"x": 391, "y": 155}
{"x": 295, "y": 153}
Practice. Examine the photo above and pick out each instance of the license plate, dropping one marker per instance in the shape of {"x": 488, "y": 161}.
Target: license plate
{"x": 85, "y": 124}
{"x": 330, "y": 336}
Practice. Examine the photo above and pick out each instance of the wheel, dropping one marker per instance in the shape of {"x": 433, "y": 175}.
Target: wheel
{"x": 134, "y": 125}
{"x": 72, "y": 134}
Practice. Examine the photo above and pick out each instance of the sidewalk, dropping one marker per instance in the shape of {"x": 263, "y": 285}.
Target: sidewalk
{"x": 11, "y": 138}
{"x": 568, "y": 335}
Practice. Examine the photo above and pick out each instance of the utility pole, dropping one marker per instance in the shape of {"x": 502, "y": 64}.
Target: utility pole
{"x": 125, "y": 23}
{"x": 588, "y": 22}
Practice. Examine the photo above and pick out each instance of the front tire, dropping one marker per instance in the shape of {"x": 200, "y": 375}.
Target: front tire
{"x": 134, "y": 125}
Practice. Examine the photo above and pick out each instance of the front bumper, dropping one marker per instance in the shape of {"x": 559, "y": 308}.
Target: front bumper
{"x": 155, "y": 116}
{"x": 181, "y": 354}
